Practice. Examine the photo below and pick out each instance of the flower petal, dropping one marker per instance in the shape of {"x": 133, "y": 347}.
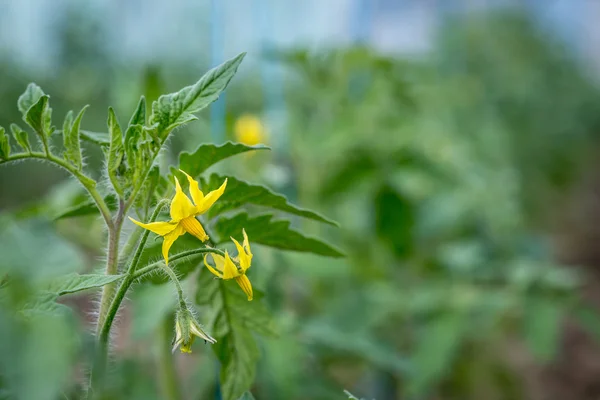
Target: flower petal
{"x": 168, "y": 241}
{"x": 210, "y": 199}
{"x": 245, "y": 284}
{"x": 193, "y": 227}
{"x": 181, "y": 205}
{"x": 195, "y": 191}
{"x": 210, "y": 268}
{"x": 246, "y": 244}
{"x": 160, "y": 228}
{"x": 229, "y": 269}
{"x": 196, "y": 330}
{"x": 243, "y": 257}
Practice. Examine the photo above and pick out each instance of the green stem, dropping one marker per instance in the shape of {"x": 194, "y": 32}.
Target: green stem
{"x": 115, "y": 302}
{"x": 111, "y": 302}
{"x": 88, "y": 183}
{"x": 152, "y": 267}
{"x": 165, "y": 364}
{"x": 175, "y": 280}
{"x": 112, "y": 265}
{"x": 131, "y": 243}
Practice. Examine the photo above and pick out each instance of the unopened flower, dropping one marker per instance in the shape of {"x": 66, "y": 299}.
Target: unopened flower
{"x": 183, "y": 215}
{"x": 226, "y": 268}
{"x": 186, "y": 331}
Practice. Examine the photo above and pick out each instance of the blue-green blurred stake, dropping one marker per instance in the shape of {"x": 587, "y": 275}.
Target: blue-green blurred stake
{"x": 362, "y": 21}
{"x": 361, "y": 26}
{"x": 217, "y": 109}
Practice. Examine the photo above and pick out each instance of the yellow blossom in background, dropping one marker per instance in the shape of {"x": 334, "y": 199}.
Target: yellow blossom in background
{"x": 250, "y": 130}
{"x": 183, "y": 215}
{"x": 225, "y": 267}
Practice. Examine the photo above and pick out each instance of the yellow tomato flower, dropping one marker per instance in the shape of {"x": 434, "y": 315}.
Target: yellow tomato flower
{"x": 186, "y": 330}
{"x": 183, "y": 215}
{"x": 249, "y": 130}
{"x": 225, "y": 267}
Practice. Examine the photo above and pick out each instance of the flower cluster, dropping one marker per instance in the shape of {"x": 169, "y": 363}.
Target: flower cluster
{"x": 184, "y": 212}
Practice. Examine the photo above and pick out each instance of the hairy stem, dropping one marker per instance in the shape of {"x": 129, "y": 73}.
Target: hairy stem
{"x": 166, "y": 367}
{"x": 152, "y": 267}
{"x": 112, "y": 264}
{"x": 173, "y": 276}
{"x": 88, "y": 183}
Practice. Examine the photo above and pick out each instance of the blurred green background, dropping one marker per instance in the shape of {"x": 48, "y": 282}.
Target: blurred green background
{"x": 454, "y": 141}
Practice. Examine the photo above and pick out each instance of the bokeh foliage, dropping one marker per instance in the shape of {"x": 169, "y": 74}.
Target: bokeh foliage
{"x": 448, "y": 175}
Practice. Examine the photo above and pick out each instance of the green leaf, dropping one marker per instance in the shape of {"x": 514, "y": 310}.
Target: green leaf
{"x": 175, "y": 109}
{"x": 87, "y": 208}
{"x": 208, "y": 154}
{"x": 116, "y": 151}
{"x": 32, "y": 248}
{"x": 73, "y": 283}
{"x": 4, "y": 144}
{"x": 39, "y": 117}
{"x": 21, "y": 137}
{"x": 71, "y": 134}
{"x": 240, "y": 192}
{"x": 394, "y": 220}
{"x": 139, "y": 115}
{"x": 99, "y": 138}
{"x": 542, "y": 326}
{"x": 31, "y": 96}
{"x": 233, "y": 320}
{"x": 247, "y": 396}
{"x": 44, "y": 303}
{"x": 437, "y": 345}
{"x": 264, "y": 230}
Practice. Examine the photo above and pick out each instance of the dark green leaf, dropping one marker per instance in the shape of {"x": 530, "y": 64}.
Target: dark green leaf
{"x": 394, "y": 220}
{"x": 541, "y": 324}
{"x": 232, "y": 324}
{"x": 73, "y": 283}
{"x": 87, "y": 208}
{"x": 4, "y": 144}
{"x": 240, "y": 192}
{"x": 99, "y": 138}
{"x": 39, "y": 117}
{"x": 116, "y": 151}
{"x": 139, "y": 115}
{"x": 208, "y": 154}
{"x": 175, "y": 109}
{"x": 31, "y": 96}
{"x": 435, "y": 350}
{"x": 21, "y": 137}
{"x": 71, "y": 134}
{"x": 264, "y": 230}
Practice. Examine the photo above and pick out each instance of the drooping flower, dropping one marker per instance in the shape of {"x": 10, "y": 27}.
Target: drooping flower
{"x": 186, "y": 331}
{"x": 226, "y": 268}
{"x": 183, "y": 214}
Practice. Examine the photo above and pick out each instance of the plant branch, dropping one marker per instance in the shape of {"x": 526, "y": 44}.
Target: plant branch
{"x": 152, "y": 267}
{"x": 112, "y": 264}
{"x": 88, "y": 183}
